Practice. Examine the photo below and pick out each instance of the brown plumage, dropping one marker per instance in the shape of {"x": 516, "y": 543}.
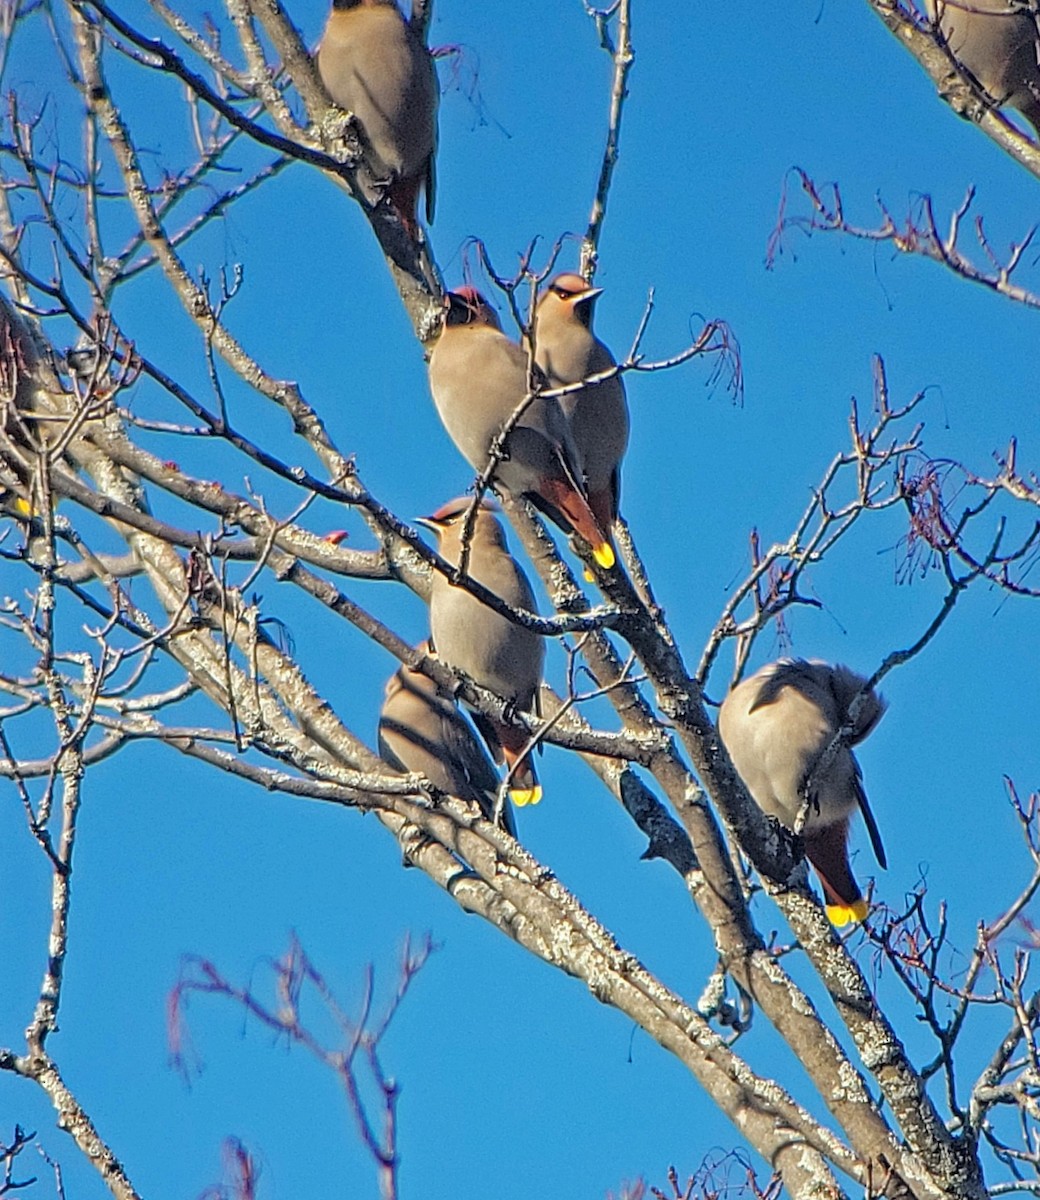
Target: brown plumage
{"x": 776, "y": 724}
{"x": 478, "y": 377}
{"x": 375, "y": 66}
{"x": 421, "y": 729}
{"x": 998, "y": 43}
{"x": 493, "y": 651}
{"x": 568, "y": 351}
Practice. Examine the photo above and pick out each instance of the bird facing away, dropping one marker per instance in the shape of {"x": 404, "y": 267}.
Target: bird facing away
{"x": 374, "y": 65}
{"x": 478, "y": 378}
{"x": 493, "y": 651}
{"x": 421, "y": 729}
{"x": 776, "y": 724}
{"x": 998, "y": 42}
{"x": 568, "y": 351}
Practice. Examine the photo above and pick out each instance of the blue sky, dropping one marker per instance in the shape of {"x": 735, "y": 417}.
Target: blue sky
{"x": 511, "y": 1076}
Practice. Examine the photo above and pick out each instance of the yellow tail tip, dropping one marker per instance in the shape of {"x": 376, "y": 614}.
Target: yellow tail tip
{"x": 604, "y": 555}
{"x": 524, "y": 796}
{"x": 589, "y": 577}
{"x": 22, "y": 508}
{"x": 841, "y": 915}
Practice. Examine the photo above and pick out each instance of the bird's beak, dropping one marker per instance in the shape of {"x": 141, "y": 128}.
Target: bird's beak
{"x": 429, "y": 523}
{"x": 588, "y": 294}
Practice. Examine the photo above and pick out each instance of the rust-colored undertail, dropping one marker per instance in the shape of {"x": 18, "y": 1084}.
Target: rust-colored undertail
{"x": 403, "y": 194}
{"x": 524, "y": 787}
{"x": 575, "y": 508}
{"x": 604, "y": 507}
{"x": 827, "y": 850}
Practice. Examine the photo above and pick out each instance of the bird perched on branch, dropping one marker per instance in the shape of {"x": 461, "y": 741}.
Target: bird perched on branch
{"x": 495, "y": 652}
{"x": 778, "y": 726}
{"x": 568, "y": 351}
{"x": 998, "y": 43}
{"x": 374, "y": 65}
{"x": 479, "y": 378}
{"x": 421, "y": 729}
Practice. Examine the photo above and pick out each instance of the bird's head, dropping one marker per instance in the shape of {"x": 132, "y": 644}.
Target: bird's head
{"x": 570, "y": 298}
{"x": 409, "y": 679}
{"x": 448, "y": 522}
{"x": 467, "y": 306}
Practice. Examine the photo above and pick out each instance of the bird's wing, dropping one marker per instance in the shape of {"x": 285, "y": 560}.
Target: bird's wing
{"x": 868, "y": 818}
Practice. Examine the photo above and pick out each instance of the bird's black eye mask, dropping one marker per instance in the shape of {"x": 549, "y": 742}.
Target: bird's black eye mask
{"x": 583, "y": 308}
{"x": 458, "y": 312}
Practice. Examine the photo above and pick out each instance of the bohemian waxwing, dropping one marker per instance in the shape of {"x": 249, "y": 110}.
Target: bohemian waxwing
{"x": 421, "y": 729}
{"x": 776, "y": 724}
{"x": 375, "y": 66}
{"x": 998, "y": 42}
{"x": 493, "y": 651}
{"x": 568, "y": 351}
{"x": 478, "y": 377}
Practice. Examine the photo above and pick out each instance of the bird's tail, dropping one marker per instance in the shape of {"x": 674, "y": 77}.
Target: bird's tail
{"x": 604, "y": 504}
{"x": 575, "y": 508}
{"x": 403, "y": 194}
{"x": 827, "y": 850}
{"x": 524, "y": 787}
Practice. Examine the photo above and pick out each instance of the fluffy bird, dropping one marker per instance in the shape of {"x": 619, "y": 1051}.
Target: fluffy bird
{"x": 998, "y": 42}
{"x": 478, "y": 378}
{"x": 493, "y": 651}
{"x": 568, "y": 351}
{"x": 776, "y": 724}
{"x": 374, "y": 65}
{"x": 421, "y": 729}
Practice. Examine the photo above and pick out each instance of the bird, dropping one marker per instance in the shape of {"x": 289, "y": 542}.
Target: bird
{"x": 568, "y": 351}
{"x": 421, "y": 729}
{"x": 491, "y": 650}
{"x": 374, "y": 65}
{"x": 998, "y": 43}
{"x": 775, "y": 725}
{"x": 478, "y": 377}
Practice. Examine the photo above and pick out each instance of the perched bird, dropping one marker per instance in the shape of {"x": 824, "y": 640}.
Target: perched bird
{"x": 776, "y": 724}
{"x": 421, "y": 729}
{"x": 478, "y": 377}
{"x": 997, "y": 42}
{"x": 493, "y": 651}
{"x": 374, "y": 65}
{"x": 568, "y": 351}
